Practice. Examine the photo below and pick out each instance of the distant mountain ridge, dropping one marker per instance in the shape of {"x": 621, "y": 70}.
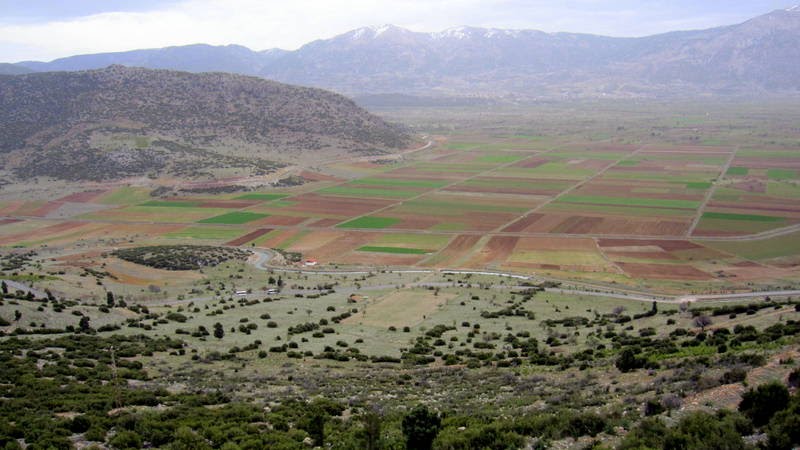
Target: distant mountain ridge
{"x": 757, "y": 56}
{"x": 119, "y": 121}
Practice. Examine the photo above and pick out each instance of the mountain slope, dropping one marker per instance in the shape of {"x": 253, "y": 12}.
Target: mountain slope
{"x": 13, "y": 69}
{"x": 188, "y": 58}
{"x": 756, "y": 56}
{"x": 122, "y": 121}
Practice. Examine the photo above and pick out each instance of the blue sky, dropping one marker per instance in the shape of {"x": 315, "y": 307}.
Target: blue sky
{"x": 44, "y": 30}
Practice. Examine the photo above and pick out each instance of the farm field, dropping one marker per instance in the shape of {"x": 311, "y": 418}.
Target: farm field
{"x": 605, "y": 205}
{"x": 570, "y": 274}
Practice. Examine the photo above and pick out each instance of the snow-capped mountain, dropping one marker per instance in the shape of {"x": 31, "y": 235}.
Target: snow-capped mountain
{"x": 759, "y": 55}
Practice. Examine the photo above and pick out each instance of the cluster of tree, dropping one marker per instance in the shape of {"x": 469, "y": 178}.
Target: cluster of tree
{"x": 180, "y": 257}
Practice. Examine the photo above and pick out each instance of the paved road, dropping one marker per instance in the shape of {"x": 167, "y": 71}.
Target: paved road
{"x": 594, "y": 291}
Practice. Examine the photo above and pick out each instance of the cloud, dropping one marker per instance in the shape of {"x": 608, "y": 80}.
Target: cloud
{"x": 262, "y": 24}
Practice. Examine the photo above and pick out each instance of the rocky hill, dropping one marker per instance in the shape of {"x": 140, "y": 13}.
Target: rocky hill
{"x": 120, "y": 121}
{"x": 755, "y": 57}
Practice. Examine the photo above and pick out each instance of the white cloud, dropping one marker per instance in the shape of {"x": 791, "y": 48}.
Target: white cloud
{"x": 261, "y": 24}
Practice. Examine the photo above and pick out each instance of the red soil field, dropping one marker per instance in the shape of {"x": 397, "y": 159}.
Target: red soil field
{"x": 249, "y": 237}
{"x": 531, "y": 163}
{"x": 617, "y": 226}
{"x": 47, "y": 208}
{"x": 232, "y": 204}
{"x": 338, "y": 247}
{"x": 498, "y": 249}
{"x": 279, "y": 221}
{"x": 41, "y": 232}
{"x": 9, "y": 221}
{"x": 556, "y": 243}
{"x": 457, "y": 247}
{"x": 315, "y": 176}
{"x": 324, "y": 223}
{"x": 664, "y": 271}
{"x": 522, "y": 224}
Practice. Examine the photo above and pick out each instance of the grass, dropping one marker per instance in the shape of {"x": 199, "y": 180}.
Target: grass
{"x": 171, "y": 204}
{"x": 234, "y": 218}
{"x": 762, "y": 249}
{"x": 747, "y": 217}
{"x": 126, "y": 196}
{"x": 396, "y": 250}
{"x": 781, "y": 174}
{"x": 261, "y": 196}
{"x": 739, "y": 171}
{"x": 702, "y": 185}
{"x": 401, "y": 183}
{"x": 369, "y": 222}
{"x": 366, "y": 192}
{"x": 630, "y": 201}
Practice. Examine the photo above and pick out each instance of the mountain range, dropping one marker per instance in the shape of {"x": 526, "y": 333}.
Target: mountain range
{"x": 118, "y": 122}
{"x": 758, "y": 56}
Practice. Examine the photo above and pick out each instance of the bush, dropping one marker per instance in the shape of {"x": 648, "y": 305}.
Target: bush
{"x": 761, "y": 403}
{"x": 420, "y": 428}
{"x": 126, "y": 440}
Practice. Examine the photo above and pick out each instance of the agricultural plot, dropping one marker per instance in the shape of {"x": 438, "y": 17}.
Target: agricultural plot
{"x": 318, "y": 206}
{"x": 234, "y": 218}
{"x": 543, "y": 201}
{"x": 166, "y": 214}
{"x": 445, "y": 211}
{"x": 759, "y": 193}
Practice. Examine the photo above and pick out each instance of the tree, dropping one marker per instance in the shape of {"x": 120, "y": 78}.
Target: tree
{"x": 219, "y": 331}
{"x": 702, "y": 321}
{"x": 372, "y": 429}
{"x": 761, "y": 403}
{"x": 784, "y": 428}
{"x": 628, "y": 361}
{"x": 316, "y": 427}
{"x": 83, "y": 324}
{"x": 17, "y": 315}
{"x": 110, "y": 299}
{"x": 420, "y": 428}
{"x": 4, "y": 287}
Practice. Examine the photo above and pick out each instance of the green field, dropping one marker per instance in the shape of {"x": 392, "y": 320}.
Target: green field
{"x": 261, "y": 196}
{"x": 781, "y": 174}
{"x": 234, "y": 218}
{"x": 370, "y": 222}
{"x": 744, "y": 217}
{"x": 788, "y": 245}
{"x": 630, "y": 201}
{"x": 740, "y": 171}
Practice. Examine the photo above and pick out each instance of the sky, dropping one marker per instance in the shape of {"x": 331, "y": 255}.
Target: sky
{"x": 44, "y": 30}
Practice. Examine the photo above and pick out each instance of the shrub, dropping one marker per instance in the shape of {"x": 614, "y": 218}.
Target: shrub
{"x": 761, "y": 403}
